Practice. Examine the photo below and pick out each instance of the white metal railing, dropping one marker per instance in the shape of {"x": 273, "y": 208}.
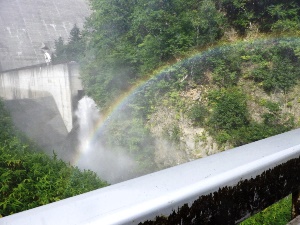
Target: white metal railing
{"x": 224, "y": 188}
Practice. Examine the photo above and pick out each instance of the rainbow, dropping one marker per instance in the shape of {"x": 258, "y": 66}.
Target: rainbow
{"x": 129, "y": 94}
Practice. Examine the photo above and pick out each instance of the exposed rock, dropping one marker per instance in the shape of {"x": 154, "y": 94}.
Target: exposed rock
{"x": 193, "y": 142}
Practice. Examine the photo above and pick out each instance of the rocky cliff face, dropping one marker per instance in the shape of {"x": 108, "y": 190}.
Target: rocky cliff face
{"x": 27, "y": 26}
{"x": 177, "y": 140}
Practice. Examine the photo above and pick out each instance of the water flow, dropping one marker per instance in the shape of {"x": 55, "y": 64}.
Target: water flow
{"x": 87, "y": 114}
{"x": 111, "y": 165}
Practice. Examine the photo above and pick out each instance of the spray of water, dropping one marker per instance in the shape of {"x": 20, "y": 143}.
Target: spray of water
{"x": 87, "y": 115}
{"x": 111, "y": 165}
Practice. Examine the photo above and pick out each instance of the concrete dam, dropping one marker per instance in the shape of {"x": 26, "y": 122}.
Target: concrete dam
{"x": 28, "y": 25}
{"x": 42, "y": 100}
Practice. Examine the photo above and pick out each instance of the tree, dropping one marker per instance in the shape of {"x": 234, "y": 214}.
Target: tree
{"x": 60, "y": 54}
{"x": 75, "y": 35}
{"x": 243, "y": 13}
{"x": 286, "y": 17}
{"x": 71, "y": 51}
{"x": 131, "y": 39}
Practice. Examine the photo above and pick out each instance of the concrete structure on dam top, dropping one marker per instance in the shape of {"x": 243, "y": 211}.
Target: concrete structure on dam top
{"x": 61, "y": 82}
{"x": 28, "y": 25}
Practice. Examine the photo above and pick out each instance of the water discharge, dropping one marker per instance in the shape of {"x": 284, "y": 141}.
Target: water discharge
{"x": 87, "y": 114}
{"x": 111, "y": 165}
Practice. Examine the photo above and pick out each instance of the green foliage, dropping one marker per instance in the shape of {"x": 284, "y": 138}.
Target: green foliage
{"x": 226, "y": 68}
{"x": 125, "y": 40}
{"x": 279, "y": 74}
{"x": 222, "y": 137}
{"x": 229, "y": 115}
{"x": 6, "y": 125}
{"x": 60, "y": 54}
{"x": 176, "y": 134}
{"x": 198, "y": 114}
{"x": 71, "y": 51}
{"x": 274, "y": 122}
{"x": 273, "y": 66}
{"x": 272, "y": 116}
{"x": 256, "y": 131}
{"x": 229, "y": 109}
{"x": 226, "y": 115}
{"x": 29, "y": 179}
{"x": 276, "y": 214}
{"x": 286, "y": 25}
{"x": 131, "y": 39}
{"x": 266, "y": 14}
{"x": 286, "y": 16}
{"x": 128, "y": 132}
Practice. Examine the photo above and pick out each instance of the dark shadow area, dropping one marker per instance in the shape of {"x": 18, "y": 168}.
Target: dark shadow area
{"x": 40, "y": 120}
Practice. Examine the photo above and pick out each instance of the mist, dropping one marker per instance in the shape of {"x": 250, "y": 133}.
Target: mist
{"x": 112, "y": 165}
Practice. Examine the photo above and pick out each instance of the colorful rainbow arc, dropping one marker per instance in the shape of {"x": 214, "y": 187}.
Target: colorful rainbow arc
{"x": 124, "y": 98}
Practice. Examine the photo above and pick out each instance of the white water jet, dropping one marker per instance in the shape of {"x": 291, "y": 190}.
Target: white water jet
{"x": 87, "y": 115}
{"x": 111, "y": 165}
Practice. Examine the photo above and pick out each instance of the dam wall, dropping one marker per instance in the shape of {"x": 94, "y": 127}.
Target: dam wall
{"x": 28, "y": 25}
{"x": 60, "y": 81}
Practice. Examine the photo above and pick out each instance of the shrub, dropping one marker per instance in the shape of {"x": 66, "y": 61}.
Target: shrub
{"x": 197, "y": 114}
{"x": 229, "y": 109}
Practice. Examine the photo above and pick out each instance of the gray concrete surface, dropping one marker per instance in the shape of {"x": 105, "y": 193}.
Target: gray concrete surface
{"x": 40, "y": 120}
{"x": 59, "y": 81}
{"x": 295, "y": 221}
{"x": 26, "y": 24}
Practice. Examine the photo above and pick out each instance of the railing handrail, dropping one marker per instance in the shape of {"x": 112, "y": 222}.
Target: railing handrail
{"x": 214, "y": 185}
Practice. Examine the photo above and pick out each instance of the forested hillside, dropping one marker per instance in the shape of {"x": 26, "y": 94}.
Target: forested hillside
{"x": 199, "y": 76}
{"x": 127, "y": 40}
{"x": 207, "y": 75}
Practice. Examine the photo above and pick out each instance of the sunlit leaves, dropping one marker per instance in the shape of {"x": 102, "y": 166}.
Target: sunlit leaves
{"x": 276, "y": 214}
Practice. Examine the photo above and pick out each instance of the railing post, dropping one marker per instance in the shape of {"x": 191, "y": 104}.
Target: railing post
{"x": 295, "y": 204}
